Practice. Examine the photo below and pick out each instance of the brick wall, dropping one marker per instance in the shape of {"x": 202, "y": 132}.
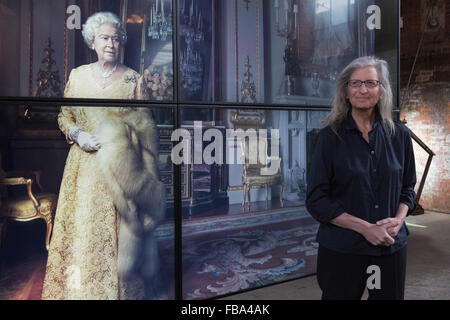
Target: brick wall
{"x": 426, "y": 102}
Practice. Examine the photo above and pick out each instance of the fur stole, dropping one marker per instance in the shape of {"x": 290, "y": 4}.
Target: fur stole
{"x": 128, "y": 161}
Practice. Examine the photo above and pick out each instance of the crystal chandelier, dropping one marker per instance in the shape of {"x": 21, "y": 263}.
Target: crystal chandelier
{"x": 287, "y": 30}
{"x": 160, "y": 25}
{"x": 191, "y": 61}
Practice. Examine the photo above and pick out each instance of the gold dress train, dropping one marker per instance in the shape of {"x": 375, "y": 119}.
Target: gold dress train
{"x": 82, "y": 259}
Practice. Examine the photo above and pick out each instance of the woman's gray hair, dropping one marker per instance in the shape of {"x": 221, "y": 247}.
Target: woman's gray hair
{"x": 93, "y": 23}
{"x": 341, "y": 105}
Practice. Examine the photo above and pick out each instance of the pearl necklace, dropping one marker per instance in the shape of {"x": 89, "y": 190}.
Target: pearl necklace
{"x": 107, "y": 74}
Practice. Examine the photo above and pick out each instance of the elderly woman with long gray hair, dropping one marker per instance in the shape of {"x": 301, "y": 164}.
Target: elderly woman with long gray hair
{"x": 111, "y": 198}
{"x": 361, "y": 188}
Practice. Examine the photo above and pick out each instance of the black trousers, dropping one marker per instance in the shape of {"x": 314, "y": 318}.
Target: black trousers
{"x": 344, "y": 276}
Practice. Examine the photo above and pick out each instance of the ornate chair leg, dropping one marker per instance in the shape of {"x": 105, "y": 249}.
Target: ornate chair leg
{"x": 248, "y": 196}
{"x": 245, "y": 195}
{"x": 48, "y": 221}
{"x": 281, "y": 195}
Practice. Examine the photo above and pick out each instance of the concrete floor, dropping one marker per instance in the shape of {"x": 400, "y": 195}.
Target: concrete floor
{"x": 427, "y": 271}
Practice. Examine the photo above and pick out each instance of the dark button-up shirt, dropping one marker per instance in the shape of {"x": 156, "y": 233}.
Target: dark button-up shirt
{"x": 366, "y": 180}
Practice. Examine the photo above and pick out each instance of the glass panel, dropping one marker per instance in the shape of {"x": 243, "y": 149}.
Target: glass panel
{"x": 233, "y": 238}
{"x": 278, "y": 51}
{"x": 113, "y": 203}
{"x": 124, "y": 54}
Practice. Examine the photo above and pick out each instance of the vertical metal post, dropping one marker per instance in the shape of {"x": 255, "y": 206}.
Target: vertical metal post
{"x": 178, "y": 267}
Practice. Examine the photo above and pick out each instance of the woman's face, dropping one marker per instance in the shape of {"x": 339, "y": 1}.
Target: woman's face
{"x": 364, "y": 97}
{"x": 107, "y": 43}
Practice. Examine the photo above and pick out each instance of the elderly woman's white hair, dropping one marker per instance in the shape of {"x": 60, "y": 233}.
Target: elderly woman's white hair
{"x": 93, "y": 23}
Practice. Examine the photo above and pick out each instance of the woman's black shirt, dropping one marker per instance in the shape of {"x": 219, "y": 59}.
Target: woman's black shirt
{"x": 366, "y": 180}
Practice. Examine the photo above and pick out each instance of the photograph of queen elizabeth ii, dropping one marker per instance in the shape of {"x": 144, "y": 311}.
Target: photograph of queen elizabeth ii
{"x": 111, "y": 197}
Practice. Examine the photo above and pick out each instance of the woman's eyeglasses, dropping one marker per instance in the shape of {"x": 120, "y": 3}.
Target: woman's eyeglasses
{"x": 367, "y": 83}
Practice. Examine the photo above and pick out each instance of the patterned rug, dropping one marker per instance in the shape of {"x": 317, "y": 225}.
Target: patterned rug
{"x": 221, "y": 255}
{"x": 233, "y": 253}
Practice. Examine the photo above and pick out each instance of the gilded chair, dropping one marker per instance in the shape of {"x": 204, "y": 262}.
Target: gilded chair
{"x": 33, "y": 205}
{"x": 256, "y": 164}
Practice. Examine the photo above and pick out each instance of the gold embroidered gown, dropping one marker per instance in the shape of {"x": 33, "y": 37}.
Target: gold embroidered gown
{"x": 82, "y": 260}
